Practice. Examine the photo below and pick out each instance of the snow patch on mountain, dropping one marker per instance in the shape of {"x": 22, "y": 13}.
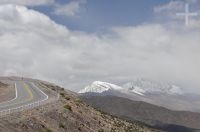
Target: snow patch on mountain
{"x": 142, "y": 86}
{"x": 100, "y": 87}
{"x": 138, "y": 90}
{"x": 176, "y": 90}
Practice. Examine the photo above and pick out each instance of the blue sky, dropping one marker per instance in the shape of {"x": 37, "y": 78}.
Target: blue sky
{"x": 98, "y": 15}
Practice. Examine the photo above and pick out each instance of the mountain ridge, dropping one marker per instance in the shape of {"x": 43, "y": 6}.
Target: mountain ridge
{"x": 138, "y": 86}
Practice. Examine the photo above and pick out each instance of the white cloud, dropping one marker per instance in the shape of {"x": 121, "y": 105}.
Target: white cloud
{"x": 70, "y": 9}
{"x": 172, "y": 5}
{"x": 167, "y": 13}
{"x": 35, "y": 46}
{"x": 27, "y": 2}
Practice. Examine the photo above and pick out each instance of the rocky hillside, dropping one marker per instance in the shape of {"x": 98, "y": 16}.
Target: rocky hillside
{"x": 7, "y": 92}
{"x": 68, "y": 114}
{"x": 155, "y": 116}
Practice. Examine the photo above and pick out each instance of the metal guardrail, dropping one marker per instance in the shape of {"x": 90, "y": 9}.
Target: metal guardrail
{"x": 29, "y": 106}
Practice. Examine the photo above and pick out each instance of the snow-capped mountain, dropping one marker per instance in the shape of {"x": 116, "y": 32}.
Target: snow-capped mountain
{"x": 138, "y": 86}
{"x": 158, "y": 93}
{"x": 143, "y": 86}
{"x": 100, "y": 87}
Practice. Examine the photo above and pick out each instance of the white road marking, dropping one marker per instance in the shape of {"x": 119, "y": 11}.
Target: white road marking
{"x": 41, "y": 91}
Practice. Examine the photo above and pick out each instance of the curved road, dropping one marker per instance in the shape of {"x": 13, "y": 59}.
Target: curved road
{"x": 26, "y": 93}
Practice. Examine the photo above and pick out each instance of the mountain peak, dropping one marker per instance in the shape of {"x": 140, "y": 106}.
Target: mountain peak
{"x": 100, "y": 87}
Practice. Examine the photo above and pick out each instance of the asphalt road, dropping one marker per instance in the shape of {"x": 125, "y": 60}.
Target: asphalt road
{"x": 26, "y": 93}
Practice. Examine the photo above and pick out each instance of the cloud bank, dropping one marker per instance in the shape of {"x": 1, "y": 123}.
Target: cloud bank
{"x": 27, "y": 2}
{"x": 35, "y": 46}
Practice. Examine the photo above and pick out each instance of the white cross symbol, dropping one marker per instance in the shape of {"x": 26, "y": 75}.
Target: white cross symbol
{"x": 187, "y": 14}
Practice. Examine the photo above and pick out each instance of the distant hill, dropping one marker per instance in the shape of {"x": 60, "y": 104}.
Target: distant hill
{"x": 152, "y": 115}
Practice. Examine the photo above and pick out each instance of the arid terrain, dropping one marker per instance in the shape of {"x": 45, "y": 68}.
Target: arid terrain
{"x": 69, "y": 114}
{"x": 7, "y": 92}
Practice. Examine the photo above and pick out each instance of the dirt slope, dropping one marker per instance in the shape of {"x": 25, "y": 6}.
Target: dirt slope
{"x": 7, "y": 92}
{"x": 153, "y": 115}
